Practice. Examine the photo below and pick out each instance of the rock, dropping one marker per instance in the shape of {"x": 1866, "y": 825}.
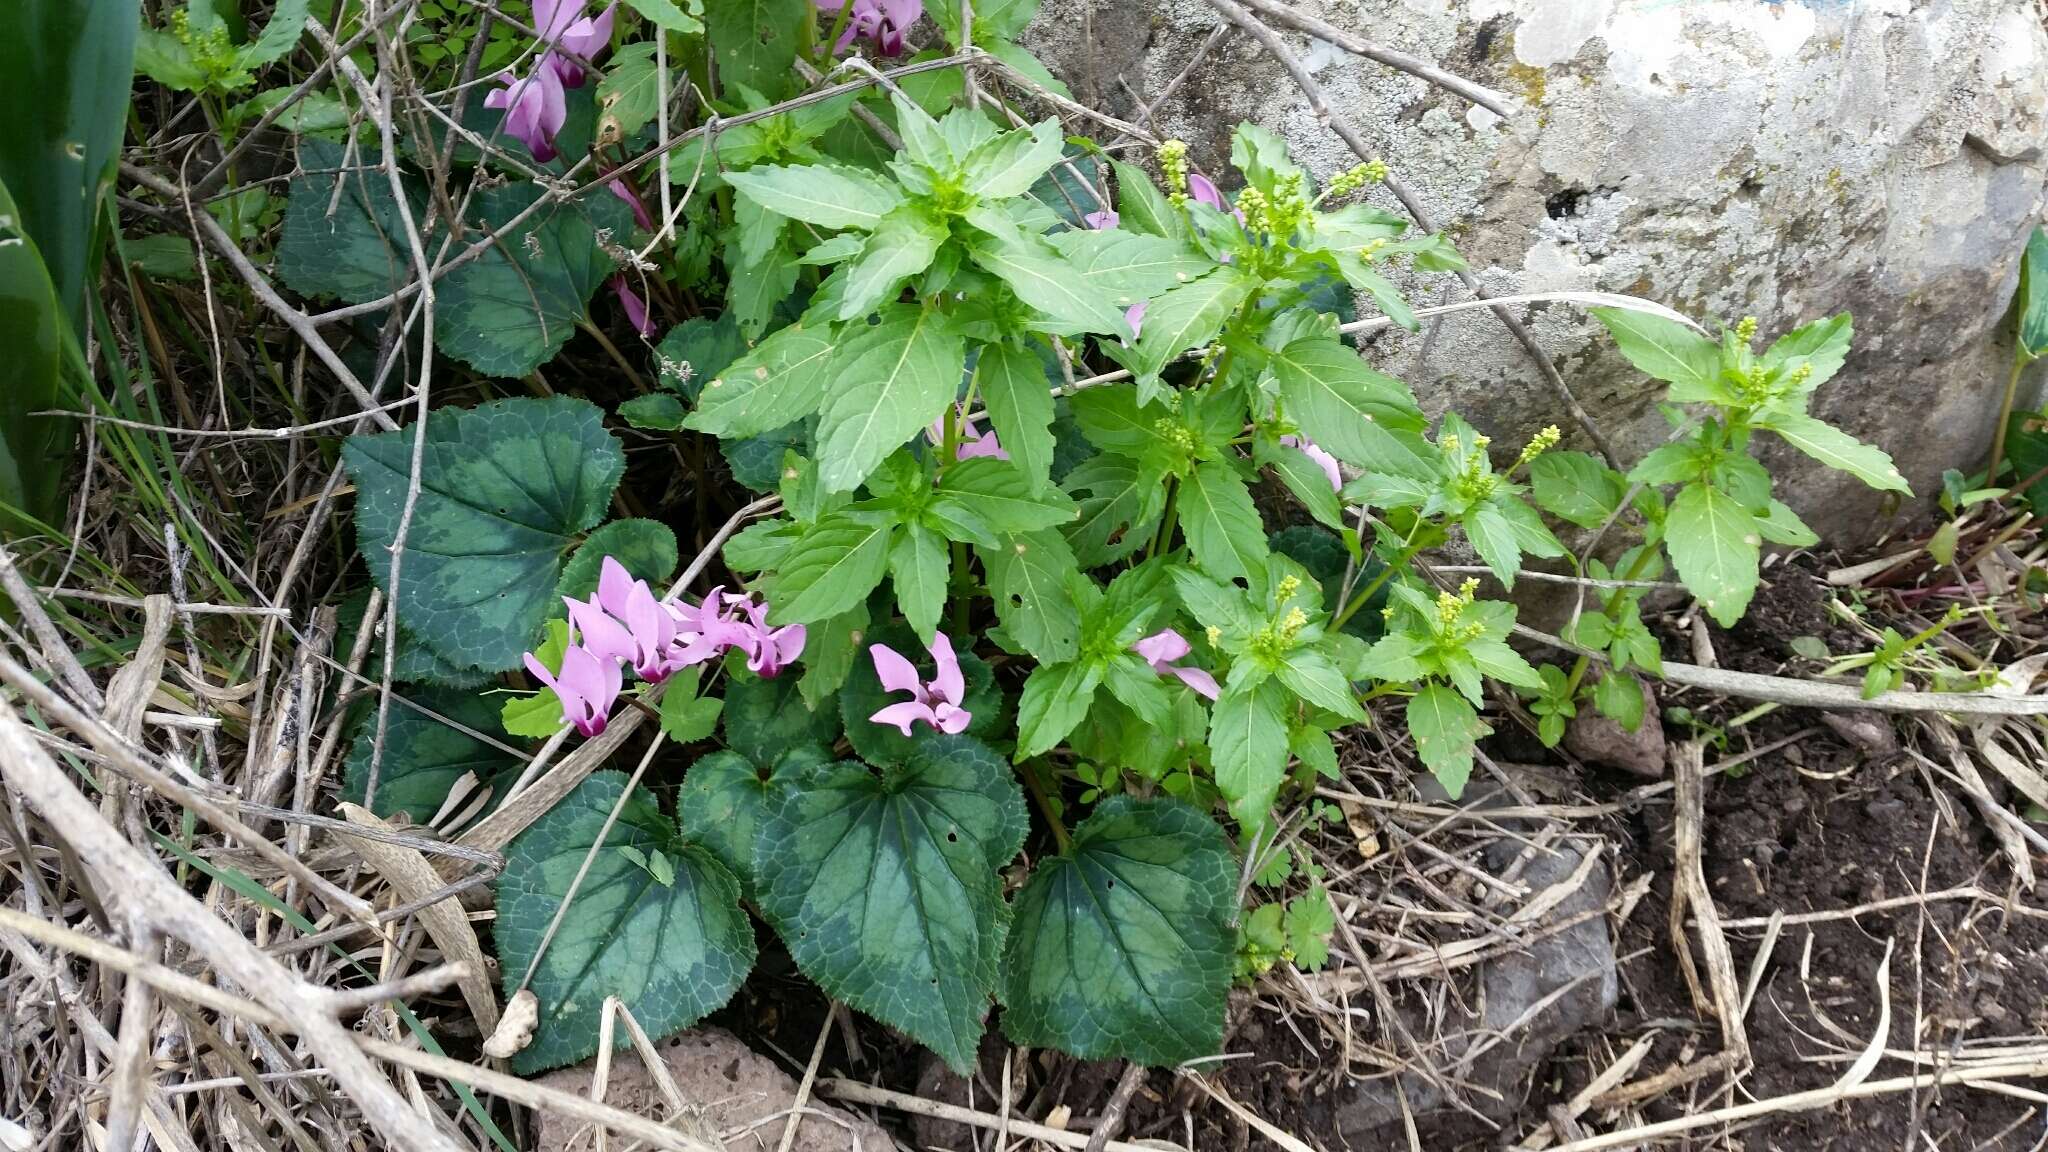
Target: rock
{"x": 727, "y": 1081}
{"x": 1595, "y": 739}
{"x": 1724, "y": 157}
{"x": 1495, "y": 1049}
{"x": 1871, "y": 732}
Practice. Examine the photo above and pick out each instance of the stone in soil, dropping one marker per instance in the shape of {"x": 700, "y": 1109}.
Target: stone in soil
{"x": 1597, "y": 740}
{"x": 729, "y": 1084}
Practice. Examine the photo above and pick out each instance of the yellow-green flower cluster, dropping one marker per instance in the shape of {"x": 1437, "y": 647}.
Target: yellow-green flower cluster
{"x": 1745, "y": 330}
{"x": 1451, "y": 624}
{"x": 1173, "y": 164}
{"x": 1538, "y": 444}
{"x": 1356, "y": 177}
{"x": 1279, "y": 214}
{"x": 1474, "y": 481}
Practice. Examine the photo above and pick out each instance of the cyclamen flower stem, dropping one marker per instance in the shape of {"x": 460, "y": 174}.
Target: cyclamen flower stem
{"x": 824, "y": 47}
{"x": 1034, "y": 782}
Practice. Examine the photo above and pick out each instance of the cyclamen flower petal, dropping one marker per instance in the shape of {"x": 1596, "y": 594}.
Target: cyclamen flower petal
{"x": 635, "y": 308}
{"x": 562, "y": 25}
{"x": 936, "y": 702}
{"x": 618, "y": 188}
{"x": 1324, "y": 460}
{"x": 587, "y": 687}
{"x": 973, "y": 441}
{"x": 615, "y": 586}
{"x": 770, "y": 650}
{"x": 1107, "y": 218}
{"x": 1162, "y": 648}
{"x": 535, "y": 107}
{"x": 598, "y": 631}
{"x": 1135, "y": 317}
{"x": 1204, "y": 189}
{"x": 880, "y": 21}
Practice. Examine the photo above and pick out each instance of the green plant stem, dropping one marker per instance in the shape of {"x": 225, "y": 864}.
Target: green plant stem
{"x": 1408, "y": 551}
{"x": 2012, "y": 391}
{"x": 1167, "y": 519}
{"x": 1579, "y": 666}
{"x": 1036, "y": 784}
{"x": 824, "y": 47}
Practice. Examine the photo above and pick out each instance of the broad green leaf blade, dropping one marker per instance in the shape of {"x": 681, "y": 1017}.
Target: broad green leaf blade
{"x": 1445, "y": 727}
{"x": 350, "y": 247}
{"x": 1838, "y": 450}
{"x": 782, "y": 380}
{"x": 1493, "y": 537}
{"x": 756, "y": 41}
{"x": 1041, "y": 279}
{"x": 1188, "y": 317}
{"x": 1666, "y": 350}
{"x": 425, "y": 759}
{"x": 1310, "y": 674}
{"x": 1820, "y": 347}
{"x": 1027, "y": 578}
{"x": 827, "y": 195}
{"x": 832, "y": 567}
{"x": 1713, "y": 542}
{"x": 1248, "y": 746}
{"x": 1122, "y": 944}
{"x": 724, "y": 799}
{"x": 830, "y": 648}
{"x": 280, "y": 35}
{"x": 701, "y": 349}
{"x": 767, "y": 719}
{"x": 687, "y": 717}
{"x": 894, "y": 383}
{"x": 1120, "y": 503}
{"x": 666, "y": 14}
{"x": 1013, "y": 386}
{"x": 510, "y": 310}
{"x": 415, "y": 663}
{"x": 1054, "y": 700}
{"x": 64, "y": 75}
{"x": 32, "y": 448}
{"x": 1130, "y": 266}
{"x": 863, "y": 695}
{"x": 919, "y": 567}
{"x": 647, "y": 549}
{"x": 2031, "y": 301}
{"x": 654, "y": 412}
{"x": 901, "y": 246}
{"x": 999, "y": 493}
{"x": 1221, "y": 523}
{"x": 1143, "y": 207}
{"x": 676, "y": 952}
{"x": 1307, "y": 481}
{"x": 1780, "y": 525}
{"x": 886, "y": 890}
{"x": 504, "y": 490}
{"x": 1577, "y": 487}
{"x": 628, "y": 96}
{"x": 1364, "y": 418}
{"x": 1011, "y": 163}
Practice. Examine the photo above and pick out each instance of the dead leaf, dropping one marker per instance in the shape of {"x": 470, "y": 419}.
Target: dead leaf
{"x": 515, "y": 1029}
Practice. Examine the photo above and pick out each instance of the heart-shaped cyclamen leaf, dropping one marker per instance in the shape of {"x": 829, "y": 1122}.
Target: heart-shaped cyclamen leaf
{"x": 885, "y": 888}
{"x": 1121, "y": 945}
{"x": 511, "y": 309}
{"x": 425, "y": 759}
{"x": 656, "y": 921}
{"x": 504, "y": 489}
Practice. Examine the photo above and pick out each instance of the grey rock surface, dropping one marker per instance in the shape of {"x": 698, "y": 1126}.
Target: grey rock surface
{"x": 1595, "y": 739}
{"x": 1724, "y": 157}
{"x": 736, "y": 1093}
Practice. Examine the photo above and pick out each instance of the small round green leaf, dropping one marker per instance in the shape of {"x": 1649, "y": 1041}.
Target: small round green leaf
{"x": 647, "y": 548}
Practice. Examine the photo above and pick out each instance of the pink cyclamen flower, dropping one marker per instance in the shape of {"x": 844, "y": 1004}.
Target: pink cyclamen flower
{"x": 535, "y": 108}
{"x": 636, "y": 308}
{"x": 599, "y": 632}
{"x": 562, "y": 25}
{"x": 881, "y": 21}
{"x": 1324, "y": 460}
{"x": 935, "y": 702}
{"x": 1135, "y": 317}
{"x": 973, "y": 441}
{"x": 587, "y": 686}
{"x": 769, "y": 650}
{"x": 620, "y": 189}
{"x": 1107, "y": 218}
{"x": 1162, "y": 648}
{"x": 705, "y": 630}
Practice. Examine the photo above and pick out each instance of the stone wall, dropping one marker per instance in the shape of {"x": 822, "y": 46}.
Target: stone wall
{"x": 1725, "y": 157}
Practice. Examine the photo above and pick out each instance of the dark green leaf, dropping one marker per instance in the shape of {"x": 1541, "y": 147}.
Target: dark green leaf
{"x": 504, "y": 489}
{"x": 863, "y": 695}
{"x": 780, "y": 381}
{"x": 756, "y": 41}
{"x": 766, "y": 719}
{"x": 647, "y": 549}
{"x": 1013, "y": 385}
{"x": 353, "y": 247}
{"x": 1028, "y": 576}
{"x": 724, "y": 799}
{"x": 886, "y": 892}
{"x": 1121, "y": 501}
{"x": 425, "y": 759}
{"x": 510, "y": 310}
{"x": 1122, "y": 944}
{"x": 676, "y": 951}
{"x": 706, "y": 348}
